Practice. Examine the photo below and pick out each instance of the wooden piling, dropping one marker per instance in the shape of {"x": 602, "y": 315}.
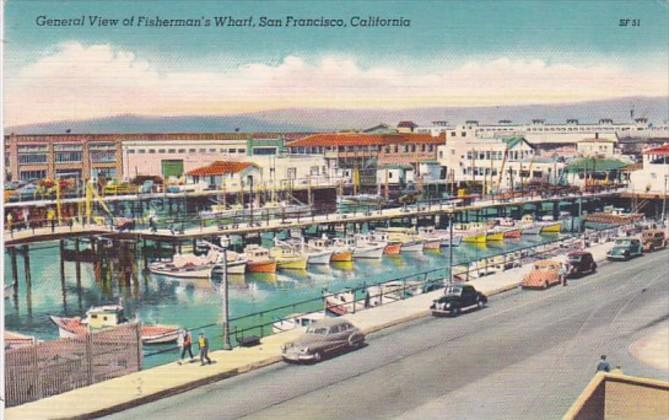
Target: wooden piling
{"x": 26, "y": 265}
{"x": 15, "y": 271}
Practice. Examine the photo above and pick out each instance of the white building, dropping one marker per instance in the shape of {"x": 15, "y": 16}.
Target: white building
{"x": 538, "y": 131}
{"x": 496, "y": 163}
{"x": 596, "y": 147}
{"x": 654, "y": 175}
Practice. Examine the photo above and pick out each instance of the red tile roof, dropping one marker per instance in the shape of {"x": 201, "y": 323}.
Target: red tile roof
{"x": 661, "y": 150}
{"x": 359, "y": 139}
{"x": 220, "y": 168}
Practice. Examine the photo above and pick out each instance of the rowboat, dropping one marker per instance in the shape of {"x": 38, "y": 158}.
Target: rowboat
{"x": 342, "y": 303}
{"x": 14, "y": 340}
{"x": 190, "y": 266}
{"x": 110, "y": 316}
{"x": 288, "y": 258}
{"x": 259, "y": 260}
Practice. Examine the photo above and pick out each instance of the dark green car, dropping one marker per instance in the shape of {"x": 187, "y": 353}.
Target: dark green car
{"x": 624, "y": 249}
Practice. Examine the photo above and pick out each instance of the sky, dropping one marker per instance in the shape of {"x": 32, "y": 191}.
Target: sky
{"x": 454, "y": 53}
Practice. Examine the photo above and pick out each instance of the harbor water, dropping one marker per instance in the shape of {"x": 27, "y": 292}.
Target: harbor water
{"x": 196, "y": 303}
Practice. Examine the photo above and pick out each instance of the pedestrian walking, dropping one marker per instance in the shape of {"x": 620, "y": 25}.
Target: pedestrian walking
{"x": 186, "y": 342}
{"x": 603, "y": 365}
{"x": 564, "y": 270}
{"x": 10, "y": 222}
{"x": 26, "y": 217}
{"x": 51, "y": 217}
{"x": 367, "y": 298}
{"x": 152, "y": 224}
{"x": 203, "y": 343}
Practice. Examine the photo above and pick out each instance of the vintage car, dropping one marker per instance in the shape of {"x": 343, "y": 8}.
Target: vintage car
{"x": 624, "y": 249}
{"x": 323, "y": 337}
{"x": 653, "y": 239}
{"x": 543, "y": 275}
{"x": 456, "y": 299}
{"x": 580, "y": 263}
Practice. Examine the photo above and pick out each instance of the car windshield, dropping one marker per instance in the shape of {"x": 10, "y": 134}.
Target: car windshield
{"x": 623, "y": 242}
{"x": 453, "y": 291}
{"x": 317, "y": 330}
{"x": 575, "y": 258}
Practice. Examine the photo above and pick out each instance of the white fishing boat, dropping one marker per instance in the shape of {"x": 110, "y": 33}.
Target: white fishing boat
{"x": 366, "y": 248}
{"x": 441, "y": 236}
{"x": 110, "y": 316}
{"x": 528, "y": 226}
{"x": 339, "y": 253}
{"x": 407, "y": 237}
{"x": 315, "y": 255}
{"x": 294, "y": 321}
{"x": 191, "y": 266}
{"x": 222, "y": 211}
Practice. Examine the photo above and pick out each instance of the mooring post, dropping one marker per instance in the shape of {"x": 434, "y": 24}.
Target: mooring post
{"x": 26, "y": 264}
{"x": 15, "y": 272}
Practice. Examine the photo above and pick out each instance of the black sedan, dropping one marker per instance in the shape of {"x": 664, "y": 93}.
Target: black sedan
{"x": 458, "y": 298}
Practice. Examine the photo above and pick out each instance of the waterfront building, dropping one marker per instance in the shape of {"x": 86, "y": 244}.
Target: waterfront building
{"x": 346, "y": 153}
{"x": 218, "y": 173}
{"x": 539, "y": 131}
{"x": 596, "y": 147}
{"x": 654, "y": 174}
{"x": 497, "y": 163}
{"x": 123, "y": 156}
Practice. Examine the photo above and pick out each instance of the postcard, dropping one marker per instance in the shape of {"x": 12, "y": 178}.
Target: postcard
{"x": 335, "y": 210}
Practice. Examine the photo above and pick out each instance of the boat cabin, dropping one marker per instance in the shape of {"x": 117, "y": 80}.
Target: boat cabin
{"x": 256, "y": 252}
{"x": 105, "y": 316}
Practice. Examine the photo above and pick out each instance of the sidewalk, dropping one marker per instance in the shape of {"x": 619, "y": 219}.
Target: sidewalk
{"x": 151, "y": 384}
{"x": 653, "y": 349}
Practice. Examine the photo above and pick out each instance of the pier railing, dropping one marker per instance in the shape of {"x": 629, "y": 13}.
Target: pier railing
{"x": 369, "y": 295}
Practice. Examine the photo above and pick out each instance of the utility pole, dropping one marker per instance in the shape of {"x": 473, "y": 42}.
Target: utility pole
{"x": 251, "y": 198}
{"x": 226, "y": 306}
{"x": 450, "y": 249}
{"x": 664, "y": 199}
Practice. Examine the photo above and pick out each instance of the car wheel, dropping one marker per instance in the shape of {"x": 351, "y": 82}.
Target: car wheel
{"x": 545, "y": 285}
{"x": 318, "y": 356}
{"x": 456, "y": 312}
{"x": 480, "y": 304}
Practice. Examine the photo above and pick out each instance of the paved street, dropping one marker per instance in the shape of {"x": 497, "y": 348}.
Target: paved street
{"x": 528, "y": 355}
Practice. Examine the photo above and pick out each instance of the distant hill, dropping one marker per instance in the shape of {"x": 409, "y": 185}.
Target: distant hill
{"x": 656, "y": 109}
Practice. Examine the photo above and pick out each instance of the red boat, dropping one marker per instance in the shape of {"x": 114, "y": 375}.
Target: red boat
{"x": 109, "y": 316}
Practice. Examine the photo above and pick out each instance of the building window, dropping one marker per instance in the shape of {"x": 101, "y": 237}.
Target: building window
{"x": 171, "y": 150}
{"x": 203, "y": 150}
{"x": 32, "y": 154}
{"x": 241, "y": 151}
{"x": 161, "y": 150}
{"x": 32, "y": 175}
{"x": 192, "y": 150}
{"x": 291, "y": 173}
{"x": 182, "y": 150}
{"x": 263, "y": 151}
{"x": 152, "y": 150}
{"x": 68, "y": 157}
{"x": 141, "y": 151}
{"x": 107, "y": 173}
{"x": 131, "y": 151}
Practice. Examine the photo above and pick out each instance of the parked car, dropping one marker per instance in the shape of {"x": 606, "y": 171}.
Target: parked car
{"x": 624, "y": 249}
{"x": 27, "y": 192}
{"x": 458, "y": 298}
{"x": 653, "y": 239}
{"x": 580, "y": 264}
{"x": 543, "y": 275}
{"x": 322, "y": 338}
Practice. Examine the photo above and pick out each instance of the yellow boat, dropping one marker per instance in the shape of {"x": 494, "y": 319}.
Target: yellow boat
{"x": 495, "y": 236}
{"x": 553, "y": 227}
{"x": 288, "y": 259}
{"x": 473, "y": 233}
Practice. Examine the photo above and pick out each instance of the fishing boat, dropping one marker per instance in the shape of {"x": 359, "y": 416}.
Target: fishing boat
{"x": 367, "y": 248}
{"x": 508, "y": 226}
{"x": 471, "y": 232}
{"x": 342, "y": 303}
{"x": 294, "y": 321}
{"x": 315, "y": 256}
{"x": 407, "y": 237}
{"x": 443, "y": 236}
{"x": 392, "y": 248}
{"x": 110, "y": 316}
{"x": 431, "y": 239}
{"x": 339, "y": 253}
{"x": 529, "y": 226}
{"x": 190, "y": 266}
{"x": 360, "y": 200}
{"x": 550, "y": 225}
{"x": 288, "y": 257}
{"x": 259, "y": 260}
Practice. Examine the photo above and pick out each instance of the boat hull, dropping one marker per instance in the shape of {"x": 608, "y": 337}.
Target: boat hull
{"x": 512, "y": 233}
{"x": 392, "y": 249}
{"x": 372, "y": 252}
{"x": 494, "y": 236}
{"x": 268, "y": 266}
{"x": 551, "y": 227}
{"x": 476, "y": 238}
{"x": 233, "y": 267}
{"x": 341, "y": 256}
{"x": 320, "y": 258}
{"x": 412, "y": 246}
{"x": 149, "y": 334}
{"x": 292, "y": 263}
{"x": 531, "y": 230}
{"x": 432, "y": 244}
{"x": 456, "y": 241}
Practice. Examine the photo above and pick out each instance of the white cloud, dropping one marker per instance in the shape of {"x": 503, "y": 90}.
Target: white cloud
{"x": 76, "y": 81}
